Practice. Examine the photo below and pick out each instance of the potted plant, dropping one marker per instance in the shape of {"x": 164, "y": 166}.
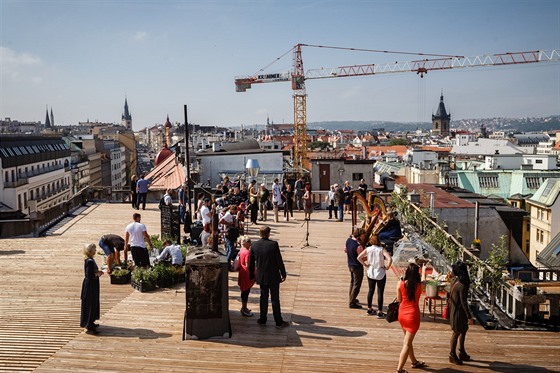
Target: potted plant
{"x": 143, "y": 279}
{"x": 120, "y": 276}
{"x": 497, "y": 260}
{"x": 475, "y": 245}
{"x": 432, "y": 288}
{"x": 163, "y": 274}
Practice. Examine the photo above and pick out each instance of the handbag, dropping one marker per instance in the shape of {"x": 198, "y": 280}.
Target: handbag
{"x": 236, "y": 264}
{"x": 445, "y": 312}
{"x": 393, "y": 311}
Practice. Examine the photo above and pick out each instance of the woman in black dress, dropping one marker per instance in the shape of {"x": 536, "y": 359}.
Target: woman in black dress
{"x": 133, "y": 194}
{"x": 90, "y": 292}
{"x": 288, "y": 195}
{"x": 459, "y": 314}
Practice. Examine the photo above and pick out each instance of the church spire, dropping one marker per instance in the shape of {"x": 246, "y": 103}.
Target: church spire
{"x": 52, "y": 118}
{"x": 126, "y": 119}
{"x": 47, "y": 119}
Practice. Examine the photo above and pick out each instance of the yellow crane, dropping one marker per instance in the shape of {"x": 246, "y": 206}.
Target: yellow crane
{"x": 421, "y": 67}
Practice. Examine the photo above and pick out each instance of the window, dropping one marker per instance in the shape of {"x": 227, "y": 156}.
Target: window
{"x": 528, "y": 227}
{"x": 539, "y": 161}
{"x": 357, "y": 176}
{"x": 533, "y": 182}
{"x": 488, "y": 180}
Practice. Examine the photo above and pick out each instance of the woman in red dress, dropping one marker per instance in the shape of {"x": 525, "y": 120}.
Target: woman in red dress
{"x": 244, "y": 282}
{"x": 408, "y": 294}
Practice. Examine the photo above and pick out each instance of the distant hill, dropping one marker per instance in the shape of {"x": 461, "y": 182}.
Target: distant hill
{"x": 550, "y": 123}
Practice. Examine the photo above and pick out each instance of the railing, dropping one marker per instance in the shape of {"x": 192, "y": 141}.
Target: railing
{"x": 516, "y": 299}
{"x": 15, "y": 184}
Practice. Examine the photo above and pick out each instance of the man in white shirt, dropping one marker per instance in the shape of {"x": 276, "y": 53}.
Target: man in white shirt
{"x": 173, "y": 251}
{"x": 136, "y": 237}
{"x": 231, "y": 233}
{"x": 167, "y": 198}
{"x": 205, "y": 212}
{"x": 276, "y": 198}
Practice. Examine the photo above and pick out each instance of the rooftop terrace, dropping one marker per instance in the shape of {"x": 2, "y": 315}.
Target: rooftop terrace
{"x": 40, "y": 283}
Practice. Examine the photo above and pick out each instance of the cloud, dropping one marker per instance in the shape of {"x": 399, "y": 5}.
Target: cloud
{"x": 20, "y": 67}
{"x": 140, "y": 35}
{"x": 12, "y": 59}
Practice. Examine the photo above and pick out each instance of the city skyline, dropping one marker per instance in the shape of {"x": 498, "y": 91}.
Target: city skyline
{"x": 83, "y": 58}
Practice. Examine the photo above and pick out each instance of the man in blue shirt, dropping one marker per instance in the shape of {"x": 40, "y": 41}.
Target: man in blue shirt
{"x": 142, "y": 190}
{"x": 353, "y": 248}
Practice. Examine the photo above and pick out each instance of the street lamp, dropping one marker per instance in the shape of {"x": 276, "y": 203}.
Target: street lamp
{"x": 253, "y": 167}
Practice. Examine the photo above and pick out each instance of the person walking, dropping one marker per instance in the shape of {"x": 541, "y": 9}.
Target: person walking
{"x": 330, "y": 199}
{"x": 339, "y": 199}
{"x": 254, "y": 201}
{"x": 243, "y": 280}
{"x": 347, "y": 196}
{"x": 133, "y": 194}
{"x": 266, "y": 258}
{"x": 408, "y": 294}
{"x": 299, "y": 191}
{"x": 231, "y": 233}
{"x": 460, "y": 316}
{"x": 377, "y": 260}
{"x": 136, "y": 237}
{"x": 276, "y": 198}
{"x": 142, "y": 191}
{"x": 263, "y": 201}
{"x": 307, "y": 202}
{"x": 288, "y": 194}
{"x": 353, "y": 248}
{"x": 90, "y": 309}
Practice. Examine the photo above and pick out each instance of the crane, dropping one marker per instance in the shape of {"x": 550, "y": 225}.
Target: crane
{"x": 421, "y": 67}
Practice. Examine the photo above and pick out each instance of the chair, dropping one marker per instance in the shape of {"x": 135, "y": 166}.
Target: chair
{"x": 432, "y": 303}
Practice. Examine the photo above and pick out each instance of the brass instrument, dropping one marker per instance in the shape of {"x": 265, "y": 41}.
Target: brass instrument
{"x": 374, "y": 212}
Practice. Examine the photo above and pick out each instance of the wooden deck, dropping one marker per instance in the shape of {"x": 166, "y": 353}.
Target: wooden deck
{"x": 40, "y": 282}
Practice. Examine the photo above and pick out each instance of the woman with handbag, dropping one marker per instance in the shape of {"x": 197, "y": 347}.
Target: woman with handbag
{"x": 408, "y": 294}
{"x": 243, "y": 280}
{"x": 459, "y": 314}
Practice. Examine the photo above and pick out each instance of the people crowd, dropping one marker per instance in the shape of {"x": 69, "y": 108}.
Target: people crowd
{"x": 238, "y": 206}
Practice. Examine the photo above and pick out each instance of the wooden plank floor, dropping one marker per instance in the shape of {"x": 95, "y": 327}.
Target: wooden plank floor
{"x": 40, "y": 283}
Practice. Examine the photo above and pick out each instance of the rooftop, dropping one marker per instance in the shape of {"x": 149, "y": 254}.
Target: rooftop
{"x": 40, "y": 307}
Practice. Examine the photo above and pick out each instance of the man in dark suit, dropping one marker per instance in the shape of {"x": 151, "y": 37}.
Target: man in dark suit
{"x": 266, "y": 257}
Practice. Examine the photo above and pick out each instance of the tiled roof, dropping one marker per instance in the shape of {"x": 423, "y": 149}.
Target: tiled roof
{"x": 169, "y": 174}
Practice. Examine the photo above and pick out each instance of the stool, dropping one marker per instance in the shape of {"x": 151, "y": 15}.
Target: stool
{"x": 429, "y": 300}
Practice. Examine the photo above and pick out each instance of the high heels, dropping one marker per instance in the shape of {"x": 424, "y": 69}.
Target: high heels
{"x": 464, "y": 356}
{"x": 453, "y": 358}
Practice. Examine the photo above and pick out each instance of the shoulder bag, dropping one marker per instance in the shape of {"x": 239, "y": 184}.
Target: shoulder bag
{"x": 393, "y": 311}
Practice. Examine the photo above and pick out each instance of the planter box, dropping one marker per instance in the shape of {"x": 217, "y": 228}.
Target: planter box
{"x": 142, "y": 286}
{"x": 121, "y": 280}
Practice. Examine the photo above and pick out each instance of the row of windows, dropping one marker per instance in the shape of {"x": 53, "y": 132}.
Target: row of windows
{"x": 488, "y": 181}
{"x": 42, "y": 191}
{"x": 23, "y": 172}
{"x": 31, "y": 149}
{"x": 542, "y": 214}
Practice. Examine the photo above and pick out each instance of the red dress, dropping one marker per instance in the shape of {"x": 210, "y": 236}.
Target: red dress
{"x": 244, "y": 282}
{"x": 409, "y": 311}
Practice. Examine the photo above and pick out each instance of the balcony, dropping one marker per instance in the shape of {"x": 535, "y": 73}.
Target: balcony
{"x": 17, "y": 183}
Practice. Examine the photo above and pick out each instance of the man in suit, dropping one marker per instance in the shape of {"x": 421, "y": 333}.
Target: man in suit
{"x": 266, "y": 257}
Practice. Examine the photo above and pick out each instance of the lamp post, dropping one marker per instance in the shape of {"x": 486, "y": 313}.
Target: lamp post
{"x": 253, "y": 167}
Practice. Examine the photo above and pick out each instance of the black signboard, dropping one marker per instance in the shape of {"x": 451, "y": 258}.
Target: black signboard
{"x": 170, "y": 223}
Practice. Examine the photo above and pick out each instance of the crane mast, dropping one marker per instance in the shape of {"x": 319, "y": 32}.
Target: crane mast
{"x": 300, "y": 114}
{"x": 421, "y": 67}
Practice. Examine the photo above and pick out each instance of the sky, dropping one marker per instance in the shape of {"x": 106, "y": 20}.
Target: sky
{"x": 82, "y": 58}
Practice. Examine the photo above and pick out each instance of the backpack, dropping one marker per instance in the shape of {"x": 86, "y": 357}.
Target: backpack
{"x": 161, "y": 202}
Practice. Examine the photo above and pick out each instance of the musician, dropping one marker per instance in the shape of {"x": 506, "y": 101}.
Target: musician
{"x": 391, "y": 232}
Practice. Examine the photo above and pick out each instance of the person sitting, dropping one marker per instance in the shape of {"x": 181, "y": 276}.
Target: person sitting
{"x": 391, "y": 232}
{"x": 241, "y": 217}
{"x": 173, "y": 251}
{"x": 206, "y": 234}
{"x": 110, "y": 242}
